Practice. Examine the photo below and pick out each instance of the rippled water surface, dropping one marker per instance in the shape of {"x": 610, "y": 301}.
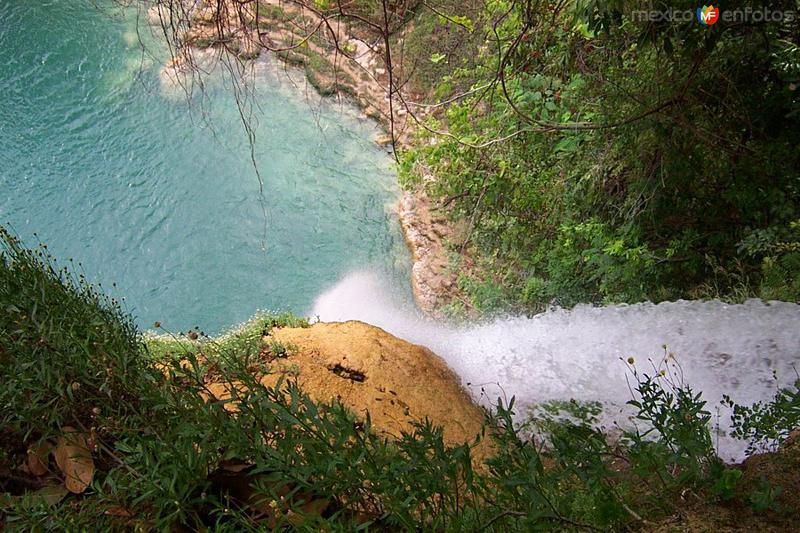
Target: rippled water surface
{"x": 125, "y": 176}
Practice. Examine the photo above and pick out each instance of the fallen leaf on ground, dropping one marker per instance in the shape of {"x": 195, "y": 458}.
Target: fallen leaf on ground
{"x": 38, "y": 458}
{"x": 75, "y": 460}
{"x": 119, "y": 511}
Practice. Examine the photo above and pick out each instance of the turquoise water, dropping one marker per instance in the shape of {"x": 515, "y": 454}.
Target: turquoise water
{"x": 108, "y": 167}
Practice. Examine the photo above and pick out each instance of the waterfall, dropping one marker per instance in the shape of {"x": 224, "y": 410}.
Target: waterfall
{"x": 744, "y": 350}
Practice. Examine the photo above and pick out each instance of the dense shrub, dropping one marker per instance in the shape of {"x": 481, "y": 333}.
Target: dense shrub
{"x": 610, "y": 159}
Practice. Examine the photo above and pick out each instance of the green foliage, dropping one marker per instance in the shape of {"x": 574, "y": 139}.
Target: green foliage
{"x": 171, "y": 453}
{"x": 726, "y": 483}
{"x": 619, "y": 159}
{"x": 763, "y": 498}
{"x": 765, "y": 424}
{"x": 438, "y": 45}
{"x": 88, "y": 343}
{"x": 683, "y": 454}
{"x": 71, "y": 357}
{"x": 247, "y": 338}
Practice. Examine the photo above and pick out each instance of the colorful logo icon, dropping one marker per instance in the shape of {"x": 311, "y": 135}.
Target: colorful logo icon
{"x": 708, "y": 15}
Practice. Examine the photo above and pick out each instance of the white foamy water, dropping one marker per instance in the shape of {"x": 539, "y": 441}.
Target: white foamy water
{"x": 746, "y": 350}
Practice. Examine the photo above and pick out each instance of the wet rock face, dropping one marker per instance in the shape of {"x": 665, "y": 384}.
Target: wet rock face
{"x": 426, "y": 233}
{"x": 367, "y": 369}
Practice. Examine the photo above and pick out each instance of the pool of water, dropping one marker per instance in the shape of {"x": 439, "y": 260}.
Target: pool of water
{"x": 108, "y": 166}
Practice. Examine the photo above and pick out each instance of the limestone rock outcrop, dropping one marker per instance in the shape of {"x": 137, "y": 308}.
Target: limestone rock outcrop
{"x": 368, "y": 369}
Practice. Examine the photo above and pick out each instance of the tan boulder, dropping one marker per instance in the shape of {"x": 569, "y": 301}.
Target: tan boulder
{"x": 367, "y": 369}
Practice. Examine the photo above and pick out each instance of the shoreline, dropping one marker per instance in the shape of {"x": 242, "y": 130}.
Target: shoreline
{"x": 288, "y": 32}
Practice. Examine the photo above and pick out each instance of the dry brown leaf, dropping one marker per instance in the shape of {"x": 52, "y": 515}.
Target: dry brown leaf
{"x": 75, "y": 460}
{"x": 38, "y": 458}
{"x": 121, "y": 512}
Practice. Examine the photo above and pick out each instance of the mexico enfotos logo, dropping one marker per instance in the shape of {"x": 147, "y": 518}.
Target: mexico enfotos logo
{"x": 710, "y": 15}
{"x": 707, "y": 15}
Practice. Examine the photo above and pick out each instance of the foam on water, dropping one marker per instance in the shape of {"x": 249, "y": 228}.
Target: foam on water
{"x": 745, "y": 350}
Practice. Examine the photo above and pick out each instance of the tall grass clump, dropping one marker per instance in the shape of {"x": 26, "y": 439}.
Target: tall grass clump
{"x": 178, "y": 432}
{"x": 166, "y": 450}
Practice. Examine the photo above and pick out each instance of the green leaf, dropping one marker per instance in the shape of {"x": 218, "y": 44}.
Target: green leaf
{"x": 437, "y": 57}
{"x": 461, "y": 20}
{"x": 566, "y": 145}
